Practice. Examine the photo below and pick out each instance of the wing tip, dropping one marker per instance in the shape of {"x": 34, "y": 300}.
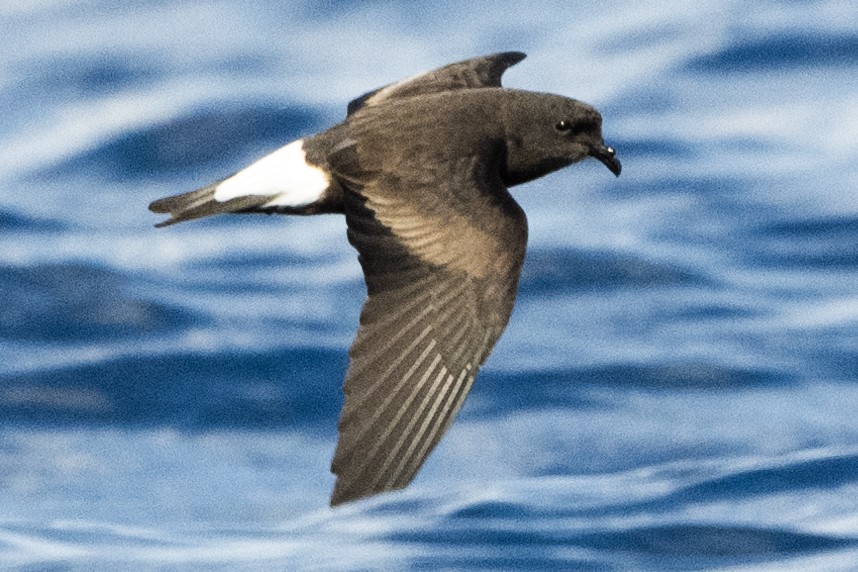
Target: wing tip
{"x": 338, "y": 497}
{"x": 343, "y": 494}
{"x": 346, "y": 494}
{"x": 510, "y": 58}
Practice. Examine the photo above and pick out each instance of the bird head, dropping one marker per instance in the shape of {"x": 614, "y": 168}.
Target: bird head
{"x": 548, "y": 132}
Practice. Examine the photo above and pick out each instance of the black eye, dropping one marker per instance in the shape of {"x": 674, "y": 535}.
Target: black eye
{"x": 563, "y": 126}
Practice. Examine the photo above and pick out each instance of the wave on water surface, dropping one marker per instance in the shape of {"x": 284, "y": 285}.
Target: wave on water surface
{"x": 674, "y": 392}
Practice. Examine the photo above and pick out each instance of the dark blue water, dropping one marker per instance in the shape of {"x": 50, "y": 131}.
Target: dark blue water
{"x": 677, "y": 389}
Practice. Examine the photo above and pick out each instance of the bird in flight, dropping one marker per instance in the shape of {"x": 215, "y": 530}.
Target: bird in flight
{"x": 421, "y": 170}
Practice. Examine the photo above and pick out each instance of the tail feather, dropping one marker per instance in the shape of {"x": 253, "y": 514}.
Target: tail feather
{"x": 202, "y": 203}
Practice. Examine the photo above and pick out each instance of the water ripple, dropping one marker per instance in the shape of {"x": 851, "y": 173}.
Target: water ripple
{"x": 781, "y": 52}
{"x": 204, "y": 138}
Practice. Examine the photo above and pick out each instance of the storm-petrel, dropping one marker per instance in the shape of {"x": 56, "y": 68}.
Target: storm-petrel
{"x": 420, "y": 168}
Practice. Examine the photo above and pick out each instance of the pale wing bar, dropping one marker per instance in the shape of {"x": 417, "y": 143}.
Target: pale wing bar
{"x": 484, "y": 71}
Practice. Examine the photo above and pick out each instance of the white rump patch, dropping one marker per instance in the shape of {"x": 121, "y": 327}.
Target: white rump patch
{"x": 284, "y": 174}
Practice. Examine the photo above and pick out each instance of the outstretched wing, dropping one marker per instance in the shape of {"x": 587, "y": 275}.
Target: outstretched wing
{"x": 441, "y": 253}
{"x": 485, "y": 71}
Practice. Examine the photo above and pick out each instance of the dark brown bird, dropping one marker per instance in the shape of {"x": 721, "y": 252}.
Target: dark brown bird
{"x": 420, "y": 168}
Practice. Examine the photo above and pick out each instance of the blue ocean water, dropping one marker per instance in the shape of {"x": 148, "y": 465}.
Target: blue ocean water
{"x": 677, "y": 386}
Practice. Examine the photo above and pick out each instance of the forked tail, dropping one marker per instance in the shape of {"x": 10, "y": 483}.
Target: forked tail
{"x": 202, "y": 203}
